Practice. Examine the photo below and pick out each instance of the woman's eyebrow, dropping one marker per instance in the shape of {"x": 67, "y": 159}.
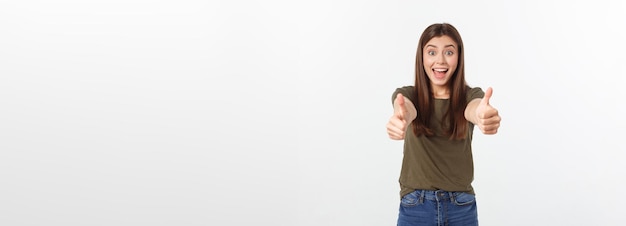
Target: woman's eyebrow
{"x": 451, "y": 45}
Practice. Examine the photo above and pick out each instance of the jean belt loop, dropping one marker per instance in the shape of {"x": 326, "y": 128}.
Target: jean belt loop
{"x": 422, "y": 194}
{"x": 452, "y": 196}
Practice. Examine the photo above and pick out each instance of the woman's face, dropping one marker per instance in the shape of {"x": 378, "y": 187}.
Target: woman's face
{"x": 440, "y": 60}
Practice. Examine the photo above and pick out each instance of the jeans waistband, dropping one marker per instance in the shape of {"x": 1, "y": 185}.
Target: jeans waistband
{"x": 436, "y": 195}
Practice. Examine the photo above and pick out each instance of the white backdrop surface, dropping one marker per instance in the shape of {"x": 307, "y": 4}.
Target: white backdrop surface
{"x": 273, "y": 112}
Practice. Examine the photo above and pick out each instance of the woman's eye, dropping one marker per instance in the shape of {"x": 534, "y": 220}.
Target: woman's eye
{"x": 432, "y": 53}
{"x": 449, "y": 53}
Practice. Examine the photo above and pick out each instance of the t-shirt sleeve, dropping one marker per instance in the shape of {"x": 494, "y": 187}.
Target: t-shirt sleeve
{"x": 407, "y": 91}
{"x": 474, "y": 93}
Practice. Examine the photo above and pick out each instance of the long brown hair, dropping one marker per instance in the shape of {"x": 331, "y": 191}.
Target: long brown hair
{"x": 457, "y": 124}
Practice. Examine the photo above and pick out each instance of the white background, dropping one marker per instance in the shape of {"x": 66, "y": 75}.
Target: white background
{"x": 274, "y": 112}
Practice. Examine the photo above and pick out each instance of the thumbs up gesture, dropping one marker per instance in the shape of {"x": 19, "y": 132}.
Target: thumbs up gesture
{"x": 487, "y": 117}
{"x": 396, "y": 127}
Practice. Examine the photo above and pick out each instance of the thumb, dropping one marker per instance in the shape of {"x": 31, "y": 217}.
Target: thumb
{"x": 401, "y": 108}
{"x": 488, "y": 93}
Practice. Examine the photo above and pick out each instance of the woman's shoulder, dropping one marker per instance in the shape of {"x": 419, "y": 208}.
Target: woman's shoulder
{"x": 474, "y": 92}
{"x": 405, "y": 90}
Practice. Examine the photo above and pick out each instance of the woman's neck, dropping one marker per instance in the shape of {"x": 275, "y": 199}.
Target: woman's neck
{"x": 440, "y": 92}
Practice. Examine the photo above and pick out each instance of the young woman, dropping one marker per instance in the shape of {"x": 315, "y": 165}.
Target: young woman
{"x": 436, "y": 118}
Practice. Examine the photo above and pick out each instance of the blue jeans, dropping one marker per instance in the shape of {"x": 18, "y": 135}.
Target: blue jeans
{"x": 438, "y": 208}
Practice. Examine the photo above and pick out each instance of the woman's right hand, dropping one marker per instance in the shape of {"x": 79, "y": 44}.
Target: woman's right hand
{"x": 396, "y": 127}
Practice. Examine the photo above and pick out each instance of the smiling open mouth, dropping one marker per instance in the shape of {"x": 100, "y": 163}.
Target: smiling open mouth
{"x": 440, "y": 72}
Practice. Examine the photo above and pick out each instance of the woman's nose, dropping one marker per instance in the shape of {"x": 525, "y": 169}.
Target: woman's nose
{"x": 441, "y": 59}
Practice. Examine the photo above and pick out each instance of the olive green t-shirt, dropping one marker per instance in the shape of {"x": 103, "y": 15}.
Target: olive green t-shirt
{"x": 437, "y": 162}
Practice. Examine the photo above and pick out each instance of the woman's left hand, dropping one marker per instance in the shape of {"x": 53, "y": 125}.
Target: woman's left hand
{"x": 488, "y": 119}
